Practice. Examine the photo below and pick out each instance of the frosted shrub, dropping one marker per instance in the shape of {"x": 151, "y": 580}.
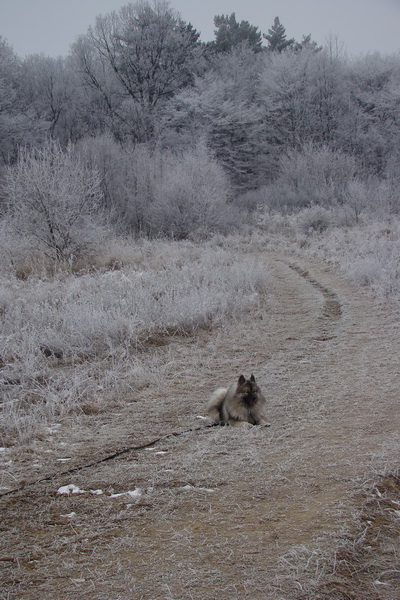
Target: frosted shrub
{"x": 356, "y": 201}
{"x": 314, "y": 175}
{"x": 130, "y": 178}
{"x": 103, "y": 155}
{"x": 315, "y": 219}
{"x": 388, "y": 198}
{"x": 254, "y": 200}
{"x": 52, "y": 199}
{"x": 191, "y": 197}
{"x": 379, "y": 198}
{"x": 144, "y": 178}
{"x": 173, "y": 194}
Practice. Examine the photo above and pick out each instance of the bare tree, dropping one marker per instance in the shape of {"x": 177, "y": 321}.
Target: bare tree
{"x": 47, "y": 87}
{"x": 137, "y": 57}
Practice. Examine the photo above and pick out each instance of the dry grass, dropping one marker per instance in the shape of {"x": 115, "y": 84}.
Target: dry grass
{"x": 363, "y": 560}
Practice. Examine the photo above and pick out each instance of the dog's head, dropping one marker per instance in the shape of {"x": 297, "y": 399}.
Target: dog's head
{"x": 248, "y": 390}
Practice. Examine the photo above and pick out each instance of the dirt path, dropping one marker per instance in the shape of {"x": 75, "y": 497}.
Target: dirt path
{"x": 220, "y": 513}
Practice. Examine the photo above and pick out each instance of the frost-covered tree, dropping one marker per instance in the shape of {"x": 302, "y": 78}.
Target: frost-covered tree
{"x": 52, "y": 199}
{"x": 49, "y": 87}
{"x": 371, "y": 129}
{"x": 329, "y": 98}
{"x": 114, "y": 164}
{"x": 284, "y": 96}
{"x": 222, "y": 108}
{"x": 9, "y": 67}
{"x": 17, "y": 123}
{"x": 304, "y": 98}
{"x": 143, "y": 185}
{"x": 230, "y": 34}
{"x": 9, "y": 76}
{"x": 137, "y": 58}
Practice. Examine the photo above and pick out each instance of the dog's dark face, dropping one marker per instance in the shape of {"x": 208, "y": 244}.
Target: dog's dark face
{"x": 248, "y": 391}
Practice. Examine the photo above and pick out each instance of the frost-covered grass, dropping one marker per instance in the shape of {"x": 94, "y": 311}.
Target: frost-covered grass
{"x": 368, "y": 252}
{"x": 74, "y": 340}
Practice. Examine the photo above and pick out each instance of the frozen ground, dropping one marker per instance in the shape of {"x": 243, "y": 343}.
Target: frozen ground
{"x": 146, "y": 502}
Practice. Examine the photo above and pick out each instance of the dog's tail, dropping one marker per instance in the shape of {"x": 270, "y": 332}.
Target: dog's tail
{"x": 215, "y": 403}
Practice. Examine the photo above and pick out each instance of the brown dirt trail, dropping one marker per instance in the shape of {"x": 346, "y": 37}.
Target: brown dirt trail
{"x": 220, "y": 513}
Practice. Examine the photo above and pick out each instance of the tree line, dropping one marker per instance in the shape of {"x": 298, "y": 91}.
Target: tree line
{"x": 151, "y": 109}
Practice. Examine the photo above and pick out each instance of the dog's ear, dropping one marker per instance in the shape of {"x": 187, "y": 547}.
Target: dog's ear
{"x": 252, "y": 378}
{"x": 241, "y": 380}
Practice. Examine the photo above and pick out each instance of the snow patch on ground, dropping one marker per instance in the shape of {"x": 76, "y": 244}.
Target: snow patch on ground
{"x": 70, "y": 489}
{"x": 136, "y": 493}
{"x": 74, "y": 489}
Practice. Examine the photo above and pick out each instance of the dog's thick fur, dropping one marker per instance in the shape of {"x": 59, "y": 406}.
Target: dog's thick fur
{"x": 242, "y": 404}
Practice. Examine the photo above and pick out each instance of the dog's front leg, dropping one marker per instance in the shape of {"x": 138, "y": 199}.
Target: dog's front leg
{"x": 263, "y": 423}
{"x": 237, "y": 423}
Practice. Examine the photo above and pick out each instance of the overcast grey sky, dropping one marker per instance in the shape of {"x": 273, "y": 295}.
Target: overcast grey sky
{"x": 50, "y": 26}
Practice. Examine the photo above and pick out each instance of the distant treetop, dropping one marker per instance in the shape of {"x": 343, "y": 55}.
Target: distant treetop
{"x": 229, "y": 34}
{"x": 276, "y": 37}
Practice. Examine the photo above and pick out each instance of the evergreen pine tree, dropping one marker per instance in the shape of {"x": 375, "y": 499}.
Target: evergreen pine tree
{"x": 230, "y": 34}
{"x": 276, "y": 37}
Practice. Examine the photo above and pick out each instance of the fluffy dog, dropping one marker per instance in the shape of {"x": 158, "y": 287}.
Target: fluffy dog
{"x": 242, "y": 404}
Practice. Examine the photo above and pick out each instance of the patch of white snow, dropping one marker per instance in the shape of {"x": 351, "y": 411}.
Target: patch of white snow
{"x": 70, "y": 489}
